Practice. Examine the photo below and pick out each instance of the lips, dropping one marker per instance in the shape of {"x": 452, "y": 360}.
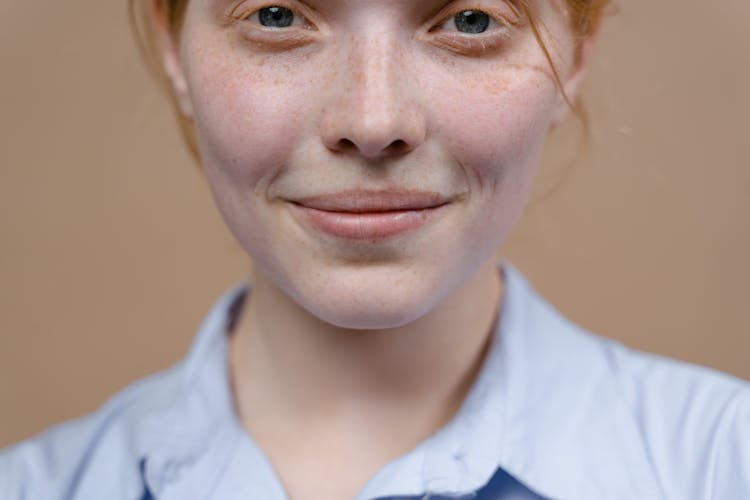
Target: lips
{"x": 373, "y": 201}
{"x": 369, "y": 215}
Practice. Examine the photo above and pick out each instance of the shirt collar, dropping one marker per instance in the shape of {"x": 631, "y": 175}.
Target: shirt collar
{"x": 514, "y": 418}
{"x": 193, "y": 436}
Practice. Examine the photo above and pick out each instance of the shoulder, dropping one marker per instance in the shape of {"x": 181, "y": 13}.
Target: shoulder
{"x": 603, "y": 419}
{"x": 92, "y": 456}
{"x": 689, "y": 425}
{"x": 694, "y": 422}
{"x": 167, "y": 416}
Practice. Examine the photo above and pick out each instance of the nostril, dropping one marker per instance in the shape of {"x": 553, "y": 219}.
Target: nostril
{"x": 398, "y": 146}
{"x": 395, "y": 148}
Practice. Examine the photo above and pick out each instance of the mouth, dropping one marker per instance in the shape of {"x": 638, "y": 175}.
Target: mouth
{"x": 369, "y": 215}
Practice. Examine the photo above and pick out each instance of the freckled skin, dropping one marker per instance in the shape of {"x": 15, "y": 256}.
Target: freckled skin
{"x": 270, "y": 122}
{"x": 364, "y": 348}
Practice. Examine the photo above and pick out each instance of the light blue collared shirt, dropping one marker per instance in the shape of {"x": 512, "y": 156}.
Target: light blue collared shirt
{"x": 555, "y": 412}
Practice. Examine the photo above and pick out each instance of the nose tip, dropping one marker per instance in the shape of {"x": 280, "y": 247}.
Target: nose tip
{"x": 371, "y": 109}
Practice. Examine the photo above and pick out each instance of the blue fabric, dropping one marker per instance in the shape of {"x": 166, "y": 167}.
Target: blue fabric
{"x": 502, "y": 486}
{"x": 555, "y": 412}
{"x": 146, "y": 492}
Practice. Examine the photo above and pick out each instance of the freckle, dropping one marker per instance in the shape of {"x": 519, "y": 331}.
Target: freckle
{"x": 330, "y": 75}
{"x": 260, "y": 60}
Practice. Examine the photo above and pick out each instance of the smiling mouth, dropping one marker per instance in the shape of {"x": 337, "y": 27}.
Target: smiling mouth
{"x": 369, "y": 215}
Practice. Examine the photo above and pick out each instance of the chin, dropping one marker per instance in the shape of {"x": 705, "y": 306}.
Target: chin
{"x": 366, "y": 305}
{"x": 355, "y": 315}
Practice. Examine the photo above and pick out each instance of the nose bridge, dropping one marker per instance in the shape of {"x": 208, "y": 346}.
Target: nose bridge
{"x": 373, "y": 109}
{"x": 375, "y": 62}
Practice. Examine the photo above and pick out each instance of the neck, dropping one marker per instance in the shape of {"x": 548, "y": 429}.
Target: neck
{"x": 289, "y": 367}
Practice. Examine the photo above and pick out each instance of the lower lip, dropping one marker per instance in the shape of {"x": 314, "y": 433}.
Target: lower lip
{"x": 366, "y": 226}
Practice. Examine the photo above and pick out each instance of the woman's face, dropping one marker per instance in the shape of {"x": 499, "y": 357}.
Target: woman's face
{"x": 370, "y": 155}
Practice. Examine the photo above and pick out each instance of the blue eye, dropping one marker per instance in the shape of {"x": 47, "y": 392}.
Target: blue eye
{"x": 276, "y": 17}
{"x": 472, "y": 21}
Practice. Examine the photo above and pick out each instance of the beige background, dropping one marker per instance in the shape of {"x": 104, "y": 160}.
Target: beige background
{"x": 112, "y": 250}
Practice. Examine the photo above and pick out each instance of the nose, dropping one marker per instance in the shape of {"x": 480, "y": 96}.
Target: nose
{"x": 370, "y": 111}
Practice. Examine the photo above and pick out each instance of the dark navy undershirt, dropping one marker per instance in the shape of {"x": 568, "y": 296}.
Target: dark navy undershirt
{"x": 502, "y": 486}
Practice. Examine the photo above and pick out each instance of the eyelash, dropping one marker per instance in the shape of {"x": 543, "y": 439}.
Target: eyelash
{"x": 452, "y": 39}
{"x": 499, "y": 21}
{"x": 256, "y": 13}
{"x": 495, "y": 36}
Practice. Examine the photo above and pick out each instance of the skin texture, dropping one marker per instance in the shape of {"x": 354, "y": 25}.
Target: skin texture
{"x": 367, "y": 344}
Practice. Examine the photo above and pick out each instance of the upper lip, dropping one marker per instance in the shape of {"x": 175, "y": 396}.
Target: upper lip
{"x": 367, "y": 201}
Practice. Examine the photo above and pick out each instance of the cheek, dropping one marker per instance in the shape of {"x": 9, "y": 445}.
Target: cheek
{"x": 496, "y": 124}
{"x": 495, "y": 127}
{"x": 248, "y": 118}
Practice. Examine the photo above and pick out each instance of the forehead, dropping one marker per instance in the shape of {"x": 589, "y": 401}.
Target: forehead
{"x": 404, "y": 4}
